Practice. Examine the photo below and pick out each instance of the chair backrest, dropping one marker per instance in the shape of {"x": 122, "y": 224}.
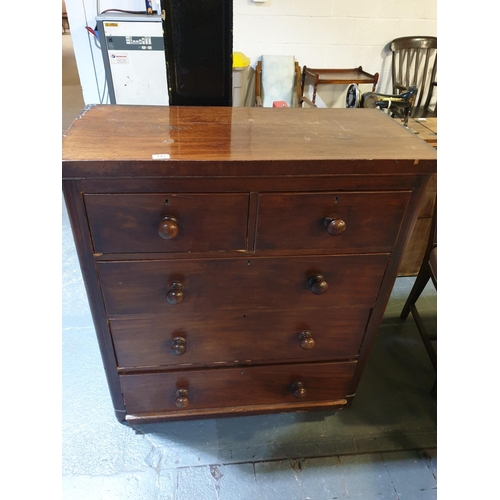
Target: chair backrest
{"x": 414, "y": 63}
{"x": 278, "y": 80}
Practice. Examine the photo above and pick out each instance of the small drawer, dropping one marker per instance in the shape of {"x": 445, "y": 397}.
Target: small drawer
{"x": 131, "y": 223}
{"x": 302, "y": 335}
{"x": 233, "y": 387}
{"x": 180, "y": 287}
{"x": 337, "y": 221}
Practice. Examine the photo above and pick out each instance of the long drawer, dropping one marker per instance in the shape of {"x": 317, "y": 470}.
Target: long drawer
{"x": 168, "y": 222}
{"x": 297, "y": 334}
{"x": 232, "y": 387}
{"x": 334, "y": 221}
{"x": 207, "y": 286}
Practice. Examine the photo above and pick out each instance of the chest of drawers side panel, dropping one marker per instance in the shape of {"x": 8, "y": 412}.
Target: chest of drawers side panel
{"x": 79, "y": 225}
{"x": 387, "y": 283}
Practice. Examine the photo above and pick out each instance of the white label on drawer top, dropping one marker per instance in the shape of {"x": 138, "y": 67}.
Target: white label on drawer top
{"x": 165, "y": 156}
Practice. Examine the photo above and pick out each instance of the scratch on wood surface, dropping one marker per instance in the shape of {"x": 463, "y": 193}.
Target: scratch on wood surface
{"x": 88, "y": 107}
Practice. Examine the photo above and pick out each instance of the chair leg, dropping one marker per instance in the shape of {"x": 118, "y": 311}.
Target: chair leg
{"x": 425, "y": 337}
{"x": 422, "y": 279}
{"x": 434, "y": 389}
{"x": 427, "y": 343}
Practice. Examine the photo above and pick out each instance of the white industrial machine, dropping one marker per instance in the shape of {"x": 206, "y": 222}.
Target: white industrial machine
{"x": 133, "y": 52}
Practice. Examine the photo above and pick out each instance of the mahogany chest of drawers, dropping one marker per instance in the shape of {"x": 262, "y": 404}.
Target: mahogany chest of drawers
{"x": 238, "y": 260}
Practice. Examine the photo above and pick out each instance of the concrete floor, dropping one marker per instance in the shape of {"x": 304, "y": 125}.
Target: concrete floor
{"x": 383, "y": 447}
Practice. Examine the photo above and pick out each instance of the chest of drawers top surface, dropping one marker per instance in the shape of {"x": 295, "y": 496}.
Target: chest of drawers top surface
{"x": 160, "y": 139}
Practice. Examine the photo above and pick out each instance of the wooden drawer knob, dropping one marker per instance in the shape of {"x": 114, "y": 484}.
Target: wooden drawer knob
{"x": 178, "y": 346}
{"x": 298, "y": 390}
{"x": 334, "y": 225}
{"x": 181, "y": 401}
{"x": 317, "y": 284}
{"x": 167, "y": 228}
{"x": 306, "y": 340}
{"x": 175, "y": 295}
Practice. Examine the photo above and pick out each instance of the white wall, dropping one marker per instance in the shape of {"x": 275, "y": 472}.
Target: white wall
{"x": 319, "y": 33}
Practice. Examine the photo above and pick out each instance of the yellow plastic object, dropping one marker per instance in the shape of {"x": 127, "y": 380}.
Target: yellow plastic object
{"x": 240, "y": 60}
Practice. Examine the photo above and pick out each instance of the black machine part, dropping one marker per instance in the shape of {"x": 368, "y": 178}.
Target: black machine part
{"x": 401, "y": 103}
{"x": 388, "y": 101}
{"x": 353, "y": 96}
